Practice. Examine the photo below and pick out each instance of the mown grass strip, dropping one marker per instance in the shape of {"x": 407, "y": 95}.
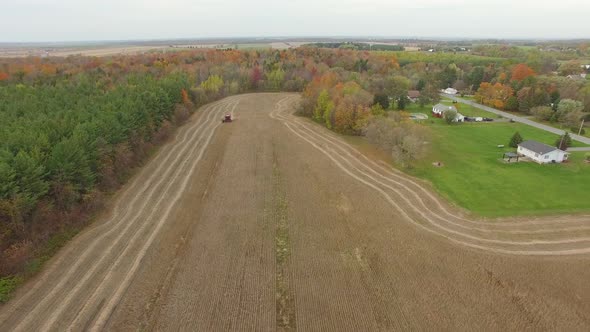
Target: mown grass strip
{"x": 285, "y": 301}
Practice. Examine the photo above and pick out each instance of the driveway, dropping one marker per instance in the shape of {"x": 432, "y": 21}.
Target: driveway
{"x": 520, "y": 119}
{"x": 587, "y": 148}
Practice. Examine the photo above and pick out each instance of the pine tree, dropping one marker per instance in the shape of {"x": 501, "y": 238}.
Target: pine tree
{"x": 421, "y": 84}
{"x": 515, "y": 140}
{"x": 564, "y": 142}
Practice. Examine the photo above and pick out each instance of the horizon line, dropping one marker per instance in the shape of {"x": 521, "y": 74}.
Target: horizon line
{"x": 291, "y": 37}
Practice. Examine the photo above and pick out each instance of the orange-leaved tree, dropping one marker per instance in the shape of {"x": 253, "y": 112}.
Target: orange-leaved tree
{"x": 494, "y": 95}
{"x": 522, "y": 71}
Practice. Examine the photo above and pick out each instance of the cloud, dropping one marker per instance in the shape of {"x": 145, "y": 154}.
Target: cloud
{"x": 48, "y": 20}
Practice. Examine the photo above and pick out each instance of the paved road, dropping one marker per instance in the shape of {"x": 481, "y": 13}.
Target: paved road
{"x": 587, "y": 148}
{"x": 520, "y": 119}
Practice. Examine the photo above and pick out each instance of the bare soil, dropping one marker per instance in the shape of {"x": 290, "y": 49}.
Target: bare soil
{"x": 272, "y": 222}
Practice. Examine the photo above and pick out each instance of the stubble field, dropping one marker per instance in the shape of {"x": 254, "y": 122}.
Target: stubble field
{"x": 273, "y": 223}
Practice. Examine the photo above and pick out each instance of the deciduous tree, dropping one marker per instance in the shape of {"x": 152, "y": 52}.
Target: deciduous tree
{"x": 522, "y": 71}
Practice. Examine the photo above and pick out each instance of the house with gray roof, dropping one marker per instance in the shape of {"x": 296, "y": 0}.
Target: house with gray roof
{"x": 439, "y": 109}
{"x": 541, "y": 153}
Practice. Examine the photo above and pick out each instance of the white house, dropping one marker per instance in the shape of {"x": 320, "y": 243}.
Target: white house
{"x": 577, "y": 77}
{"x": 450, "y": 91}
{"x": 439, "y": 109}
{"x": 541, "y": 153}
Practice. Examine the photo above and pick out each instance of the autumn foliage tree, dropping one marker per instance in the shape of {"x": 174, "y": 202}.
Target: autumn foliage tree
{"x": 522, "y": 71}
{"x": 494, "y": 95}
{"x": 255, "y": 77}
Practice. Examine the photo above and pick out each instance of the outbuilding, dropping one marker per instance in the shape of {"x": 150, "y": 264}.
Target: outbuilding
{"x": 541, "y": 153}
{"x": 413, "y": 95}
{"x": 450, "y": 91}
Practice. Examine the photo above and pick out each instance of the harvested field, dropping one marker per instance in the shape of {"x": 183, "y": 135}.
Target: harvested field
{"x": 274, "y": 223}
{"x": 97, "y": 51}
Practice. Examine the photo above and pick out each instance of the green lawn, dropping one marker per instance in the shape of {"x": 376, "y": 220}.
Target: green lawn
{"x": 474, "y": 177}
{"x": 464, "y": 109}
{"x": 560, "y": 126}
{"x": 472, "y": 111}
{"x": 552, "y": 124}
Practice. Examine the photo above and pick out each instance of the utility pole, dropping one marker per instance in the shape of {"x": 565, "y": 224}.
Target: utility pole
{"x": 581, "y": 126}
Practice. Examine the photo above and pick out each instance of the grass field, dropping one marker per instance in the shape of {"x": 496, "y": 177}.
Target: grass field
{"x": 474, "y": 177}
{"x": 552, "y": 124}
{"x": 405, "y": 58}
{"x": 561, "y": 126}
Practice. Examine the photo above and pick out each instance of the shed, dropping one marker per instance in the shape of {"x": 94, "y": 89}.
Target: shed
{"x": 413, "y": 95}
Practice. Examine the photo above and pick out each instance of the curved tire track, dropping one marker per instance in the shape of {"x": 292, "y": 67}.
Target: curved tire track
{"x": 534, "y": 236}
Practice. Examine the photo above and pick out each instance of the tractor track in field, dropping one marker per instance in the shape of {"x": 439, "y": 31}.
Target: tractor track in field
{"x": 272, "y": 222}
{"x": 113, "y": 241}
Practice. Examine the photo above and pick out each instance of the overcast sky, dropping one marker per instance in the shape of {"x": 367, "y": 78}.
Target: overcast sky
{"x": 78, "y": 20}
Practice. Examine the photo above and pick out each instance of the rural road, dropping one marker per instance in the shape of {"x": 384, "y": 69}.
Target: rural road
{"x": 275, "y": 223}
{"x": 520, "y": 119}
{"x": 587, "y": 148}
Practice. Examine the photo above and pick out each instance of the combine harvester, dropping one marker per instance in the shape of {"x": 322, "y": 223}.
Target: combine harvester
{"x": 227, "y": 118}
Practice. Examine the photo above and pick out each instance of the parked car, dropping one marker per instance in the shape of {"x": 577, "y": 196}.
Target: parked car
{"x": 488, "y": 119}
{"x": 478, "y": 119}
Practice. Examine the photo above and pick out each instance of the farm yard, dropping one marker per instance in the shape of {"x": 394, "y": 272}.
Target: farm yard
{"x": 464, "y": 109}
{"x": 297, "y": 230}
{"x": 475, "y": 178}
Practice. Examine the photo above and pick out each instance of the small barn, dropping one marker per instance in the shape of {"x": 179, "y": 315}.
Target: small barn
{"x": 541, "y": 153}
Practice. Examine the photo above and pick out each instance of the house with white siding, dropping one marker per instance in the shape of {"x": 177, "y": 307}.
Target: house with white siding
{"x": 541, "y": 153}
{"x": 450, "y": 91}
{"x": 439, "y": 110}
